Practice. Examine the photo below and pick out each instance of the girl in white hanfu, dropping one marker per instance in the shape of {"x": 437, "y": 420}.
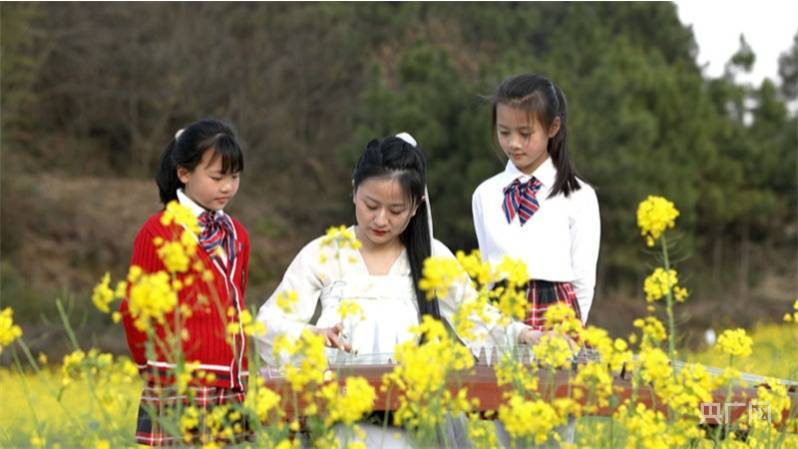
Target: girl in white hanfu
{"x": 381, "y": 276}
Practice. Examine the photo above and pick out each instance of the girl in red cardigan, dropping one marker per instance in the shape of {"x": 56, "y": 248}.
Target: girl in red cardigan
{"x": 200, "y": 169}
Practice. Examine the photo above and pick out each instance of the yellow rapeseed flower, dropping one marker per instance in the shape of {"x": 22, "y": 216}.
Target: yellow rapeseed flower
{"x": 338, "y": 238}
{"x": 189, "y": 423}
{"x": 37, "y": 441}
{"x": 613, "y": 353}
{"x": 71, "y": 368}
{"x": 514, "y": 271}
{"x": 595, "y": 381}
{"x": 440, "y": 273}
{"x": 102, "y": 294}
{"x": 680, "y": 293}
{"x": 653, "y": 331}
{"x": 774, "y": 394}
{"x": 645, "y": 428}
{"x": 511, "y": 302}
{"x": 289, "y": 443}
{"x": 286, "y": 301}
{"x": 134, "y": 273}
{"x": 792, "y": 317}
{"x": 349, "y": 308}
{"x": 263, "y": 401}
{"x": 462, "y": 320}
{"x": 481, "y": 432}
{"x": 735, "y": 343}
{"x": 479, "y": 271}
{"x": 553, "y": 351}
{"x": 654, "y": 216}
{"x": 660, "y": 283}
{"x": 186, "y": 374}
{"x": 525, "y": 419}
{"x": 349, "y": 404}
{"x": 655, "y": 366}
{"x": 303, "y": 360}
{"x": 8, "y": 330}
{"x": 189, "y": 242}
{"x": 693, "y": 385}
{"x": 174, "y": 257}
{"x": 562, "y": 319}
{"x": 512, "y": 371}
{"x": 151, "y": 297}
{"x": 181, "y": 215}
{"x": 421, "y": 374}
{"x": 251, "y": 326}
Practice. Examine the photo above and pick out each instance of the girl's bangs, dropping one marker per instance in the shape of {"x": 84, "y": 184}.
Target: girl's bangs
{"x": 232, "y": 157}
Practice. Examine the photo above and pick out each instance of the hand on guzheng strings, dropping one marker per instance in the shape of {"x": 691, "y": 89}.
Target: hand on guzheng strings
{"x": 532, "y": 337}
{"x": 333, "y": 338}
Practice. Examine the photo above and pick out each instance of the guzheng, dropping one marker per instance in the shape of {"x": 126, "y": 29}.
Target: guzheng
{"x": 480, "y": 382}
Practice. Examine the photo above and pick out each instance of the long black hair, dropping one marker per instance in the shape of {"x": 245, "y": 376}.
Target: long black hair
{"x": 542, "y": 100}
{"x": 186, "y": 150}
{"x": 393, "y": 157}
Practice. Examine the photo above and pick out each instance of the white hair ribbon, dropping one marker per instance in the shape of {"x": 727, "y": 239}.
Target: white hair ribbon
{"x": 412, "y": 141}
{"x": 178, "y": 133}
{"x": 407, "y": 138}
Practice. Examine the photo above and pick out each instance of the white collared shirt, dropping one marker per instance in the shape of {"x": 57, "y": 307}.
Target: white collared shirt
{"x": 559, "y": 243}
{"x": 197, "y": 210}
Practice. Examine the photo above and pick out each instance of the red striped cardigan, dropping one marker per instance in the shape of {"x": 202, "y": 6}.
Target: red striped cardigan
{"x": 208, "y": 342}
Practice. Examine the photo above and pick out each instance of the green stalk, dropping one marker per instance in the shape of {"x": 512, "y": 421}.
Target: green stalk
{"x": 6, "y": 436}
{"x": 26, "y": 390}
{"x": 67, "y": 326}
{"x": 68, "y": 413}
{"x": 669, "y": 306}
{"x": 28, "y": 355}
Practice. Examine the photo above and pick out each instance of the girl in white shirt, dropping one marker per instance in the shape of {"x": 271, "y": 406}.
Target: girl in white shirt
{"x": 537, "y": 210}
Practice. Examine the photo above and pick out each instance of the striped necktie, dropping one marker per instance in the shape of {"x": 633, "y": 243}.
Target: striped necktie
{"x": 521, "y": 198}
{"x": 218, "y": 231}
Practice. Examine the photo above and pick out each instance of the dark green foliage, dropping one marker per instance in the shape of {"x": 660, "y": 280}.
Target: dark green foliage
{"x": 98, "y": 89}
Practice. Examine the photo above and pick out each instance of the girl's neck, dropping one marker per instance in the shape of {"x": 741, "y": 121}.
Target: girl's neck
{"x": 379, "y": 259}
{"x": 531, "y": 168}
{"x": 200, "y": 207}
{"x": 367, "y": 246}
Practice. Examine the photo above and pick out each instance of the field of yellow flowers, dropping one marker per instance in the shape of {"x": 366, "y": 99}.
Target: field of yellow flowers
{"x": 91, "y": 399}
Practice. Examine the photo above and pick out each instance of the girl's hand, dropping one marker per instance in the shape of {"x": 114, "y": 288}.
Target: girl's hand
{"x": 531, "y": 337}
{"x": 332, "y": 337}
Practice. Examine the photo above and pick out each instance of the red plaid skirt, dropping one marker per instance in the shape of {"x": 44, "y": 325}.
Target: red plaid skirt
{"x": 542, "y": 294}
{"x": 161, "y": 408}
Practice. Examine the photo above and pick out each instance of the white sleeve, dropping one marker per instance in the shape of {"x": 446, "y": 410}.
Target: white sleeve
{"x": 303, "y": 278}
{"x": 585, "y": 229}
{"x": 479, "y": 225}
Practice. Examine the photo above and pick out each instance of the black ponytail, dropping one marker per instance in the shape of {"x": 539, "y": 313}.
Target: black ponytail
{"x": 166, "y": 176}
{"x": 416, "y": 239}
{"x": 565, "y": 181}
{"x": 187, "y": 148}
{"x": 545, "y": 101}
{"x": 393, "y": 157}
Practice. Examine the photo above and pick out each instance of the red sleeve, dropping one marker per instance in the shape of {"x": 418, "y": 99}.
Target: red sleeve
{"x": 146, "y": 257}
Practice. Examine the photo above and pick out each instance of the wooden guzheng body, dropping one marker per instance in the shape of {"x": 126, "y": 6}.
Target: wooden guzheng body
{"x": 480, "y": 382}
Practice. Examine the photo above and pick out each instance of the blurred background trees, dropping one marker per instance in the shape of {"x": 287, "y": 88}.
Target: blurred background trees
{"x": 92, "y": 93}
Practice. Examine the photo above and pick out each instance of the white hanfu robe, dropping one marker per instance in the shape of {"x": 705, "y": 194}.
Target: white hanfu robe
{"x": 319, "y": 274}
{"x": 388, "y": 302}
